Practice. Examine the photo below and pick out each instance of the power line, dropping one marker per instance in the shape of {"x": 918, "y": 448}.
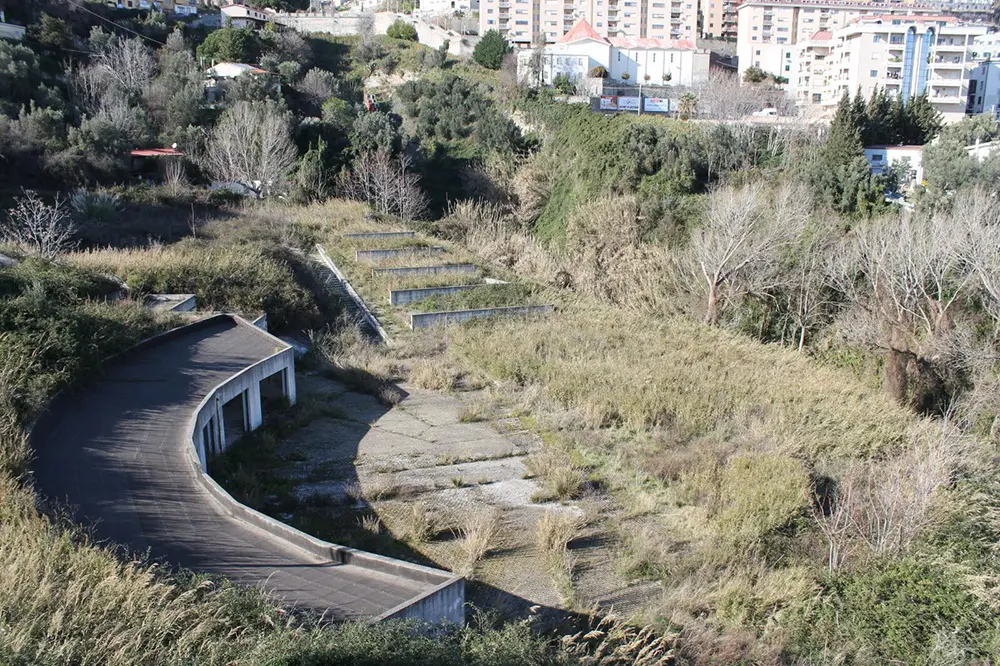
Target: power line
{"x": 117, "y": 25}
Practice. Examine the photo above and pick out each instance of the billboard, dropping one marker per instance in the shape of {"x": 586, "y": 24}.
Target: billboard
{"x": 628, "y": 103}
{"x": 609, "y": 103}
{"x": 656, "y": 105}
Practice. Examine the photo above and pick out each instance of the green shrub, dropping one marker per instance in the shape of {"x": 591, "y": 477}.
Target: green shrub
{"x": 400, "y": 29}
{"x": 491, "y": 49}
{"x": 911, "y": 611}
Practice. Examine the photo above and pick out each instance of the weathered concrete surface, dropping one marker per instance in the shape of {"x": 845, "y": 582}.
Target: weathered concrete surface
{"x": 404, "y": 296}
{"x": 428, "y": 319}
{"x": 115, "y": 453}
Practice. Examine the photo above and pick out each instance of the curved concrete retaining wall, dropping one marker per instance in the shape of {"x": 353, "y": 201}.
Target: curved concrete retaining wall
{"x": 428, "y": 319}
{"x": 404, "y": 296}
{"x": 427, "y": 270}
{"x": 445, "y": 602}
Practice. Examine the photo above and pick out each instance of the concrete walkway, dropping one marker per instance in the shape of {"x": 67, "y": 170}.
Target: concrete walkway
{"x": 116, "y": 457}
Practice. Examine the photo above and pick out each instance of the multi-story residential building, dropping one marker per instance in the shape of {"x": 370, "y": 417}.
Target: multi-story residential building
{"x": 718, "y": 18}
{"x": 768, "y": 30}
{"x": 903, "y": 55}
{"x": 984, "y": 83}
{"x": 632, "y": 60}
{"x": 527, "y": 22}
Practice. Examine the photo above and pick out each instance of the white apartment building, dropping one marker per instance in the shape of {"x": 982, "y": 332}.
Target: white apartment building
{"x": 179, "y": 7}
{"x": 525, "y": 22}
{"x": 652, "y": 61}
{"x": 903, "y": 55}
{"x": 768, "y": 30}
{"x": 984, "y": 83}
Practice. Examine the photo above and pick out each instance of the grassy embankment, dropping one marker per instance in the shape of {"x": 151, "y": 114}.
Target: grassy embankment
{"x": 721, "y": 456}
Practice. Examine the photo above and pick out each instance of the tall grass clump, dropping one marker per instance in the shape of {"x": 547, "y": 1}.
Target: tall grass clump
{"x": 245, "y": 278}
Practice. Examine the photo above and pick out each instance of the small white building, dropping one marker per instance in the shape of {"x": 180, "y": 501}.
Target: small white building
{"x": 242, "y": 16}
{"x": 882, "y": 159}
{"x": 628, "y": 59}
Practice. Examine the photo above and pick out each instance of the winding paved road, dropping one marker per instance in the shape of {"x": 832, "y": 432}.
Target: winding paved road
{"x": 116, "y": 458}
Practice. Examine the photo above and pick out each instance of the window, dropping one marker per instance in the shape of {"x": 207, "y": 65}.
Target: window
{"x": 782, "y": 29}
{"x": 654, "y": 55}
{"x": 817, "y": 98}
{"x": 628, "y": 13}
{"x": 490, "y": 22}
{"x": 876, "y": 157}
{"x": 671, "y": 58}
{"x": 657, "y": 16}
{"x": 520, "y": 23}
{"x": 755, "y": 28}
{"x": 657, "y": 26}
{"x": 489, "y": 11}
{"x": 788, "y": 68}
{"x": 619, "y": 56}
{"x": 979, "y": 100}
{"x": 600, "y": 24}
{"x": 874, "y": 73}
{"x": 782, "y": 40}
{"x": 758, "y": 52}
{"x": 895, "y": 39}
{"x": 876, "y": 39}
{"x": 754, "y": 38}
{"x": 788, "y": 55}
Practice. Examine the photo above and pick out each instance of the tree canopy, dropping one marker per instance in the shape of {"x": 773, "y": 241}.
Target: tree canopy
{"x": 491, "y": 49}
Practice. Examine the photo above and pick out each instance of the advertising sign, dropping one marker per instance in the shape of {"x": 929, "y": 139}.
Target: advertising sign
{"x": 609, "y": 103}
{"x": 628, "y": 103}
{"x": 657, "y": 105}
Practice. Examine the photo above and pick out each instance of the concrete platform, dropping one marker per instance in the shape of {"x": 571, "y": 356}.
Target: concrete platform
{"x": 114, "y": 453}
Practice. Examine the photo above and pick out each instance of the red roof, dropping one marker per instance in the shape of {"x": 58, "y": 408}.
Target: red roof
{"x": 581, "y": 30}
{"x": 157, "y": 152}
{"x": 822, "y": 36}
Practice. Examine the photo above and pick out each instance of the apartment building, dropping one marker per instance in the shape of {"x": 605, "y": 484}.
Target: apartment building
{"x": 526, "y": 22}
{"x": 903, "y": 55}
{"x": 718, "y": 18}
{"x": 984, "y": 80}
{"x": 768, "y": 30}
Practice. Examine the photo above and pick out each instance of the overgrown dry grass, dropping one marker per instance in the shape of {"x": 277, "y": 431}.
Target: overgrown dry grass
{"x": 478, "y": 535}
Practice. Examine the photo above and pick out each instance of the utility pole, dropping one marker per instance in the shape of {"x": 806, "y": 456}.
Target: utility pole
{"x": 638, "y": 110}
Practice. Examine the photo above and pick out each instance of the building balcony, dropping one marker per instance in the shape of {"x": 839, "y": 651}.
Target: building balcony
{"x": 947, "y": 65}
{"x": 951, "y": 48}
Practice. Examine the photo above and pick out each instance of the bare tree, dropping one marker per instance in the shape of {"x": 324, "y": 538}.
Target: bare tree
{"x": 737, "y": 250}
{"x": 881, "y": 506}
{"x": 252, "y": 146}
{"x": 386, "y": 184}
{"x": 912, "y": 270}
{"x": 36, "y": 228}
{"x": 127, "y": 64}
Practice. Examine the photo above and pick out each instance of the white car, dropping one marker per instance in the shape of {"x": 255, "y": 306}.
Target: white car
{"x": 765, "y": 113}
